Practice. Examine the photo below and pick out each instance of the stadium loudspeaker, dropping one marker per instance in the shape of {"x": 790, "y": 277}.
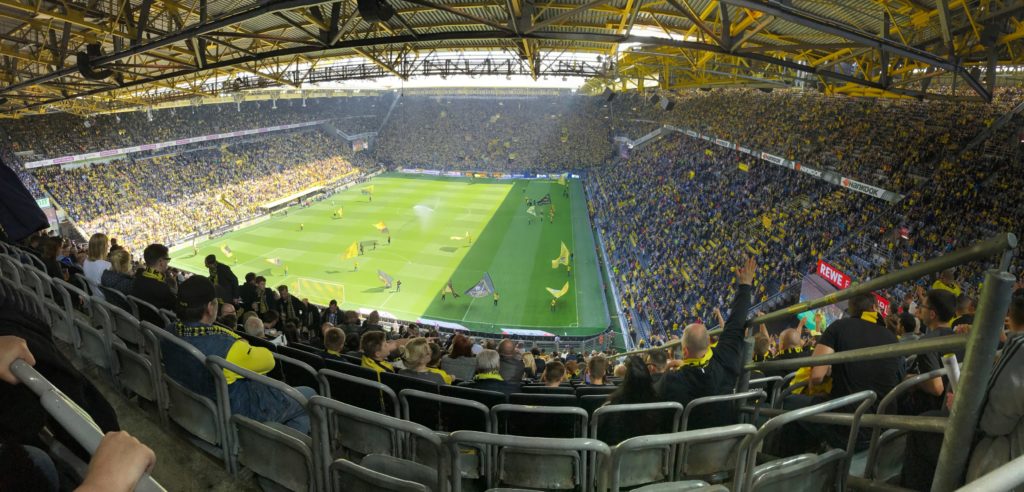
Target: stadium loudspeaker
{"x": 667, "y": 104}
{"x": 375, "y": 10}
{"x": 84, "y": 61}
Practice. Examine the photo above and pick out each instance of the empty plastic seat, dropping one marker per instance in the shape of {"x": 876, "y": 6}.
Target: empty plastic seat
{"x": 349, "y": 477}
{"x": 539, "y": 421}
{"x": 297, "y": 373}
{"x": 545, "y": 390}
{"x": 555, "y": 400}
{"x": 591, "y": 403}
{"x": 532, "y": 462}
{"x": 662, "y": 458}
{"x": 359, "y": 392}
{"x": 486, "y": 398}
{"x": 447, "y": 413}
{"x": 312, "y": 358}
{"x": 148, "y": 312}
{"x": 345, "y": 431}
{"x": 271, "y": 450}
{"x": 808, "y": 471}
{"x": 582, "y": 391}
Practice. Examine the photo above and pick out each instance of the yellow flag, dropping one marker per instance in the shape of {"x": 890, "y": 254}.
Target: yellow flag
{"x": 558, "y": 293}
{"x": 352, "y": 251}
{"x": 227, "y": 203}
{"x": 766, "y": 221}
{"x": 381, "y": 227}
{"x": 340, "y": 212}
{"x": 563, "y": 257}
{"x": 561, "y": 178}
{"x": 744, "y": 167}
{"x": 226, "y": 250}
{"x": 708, "y": 152}
{"x": 274, "y": 261}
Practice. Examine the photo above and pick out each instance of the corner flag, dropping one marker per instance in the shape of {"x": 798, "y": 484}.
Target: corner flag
{"x": 381, "y": 227}
{"x": 558, "y": 293}
{"x": 483, "y": 288}
{"x": 384, "y": 277}
{"x": 226, "y": 250}
{"x": 352, "y": 251}
{"x": 563, "y": 257}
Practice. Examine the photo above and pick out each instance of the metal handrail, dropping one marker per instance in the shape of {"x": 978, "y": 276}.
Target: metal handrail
{"x": 70, "y": 416}
{"x": 1006, "y": 477}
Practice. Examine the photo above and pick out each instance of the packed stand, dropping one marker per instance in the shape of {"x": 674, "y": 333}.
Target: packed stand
{"x": 62, "y": 134}
{"x": 888, "y": 143}
{"x": 168, "y": 198}
{"x": 507, "y": 134}
{"x": 678, "y": 214}
{"x": 977, "y": 187}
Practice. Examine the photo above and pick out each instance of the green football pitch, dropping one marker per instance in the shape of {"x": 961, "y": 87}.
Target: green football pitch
{"x": 428, "y": 219}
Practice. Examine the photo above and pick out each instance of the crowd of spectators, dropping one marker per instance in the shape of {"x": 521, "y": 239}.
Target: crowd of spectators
{"x": 888, "y": 143}
{"x": 679, "y": 213}
{"x": 165, "y": 199}
{"x": 968, "y": 199}
{"x": 61, "y": 134}
{"x": 508, "y": 134}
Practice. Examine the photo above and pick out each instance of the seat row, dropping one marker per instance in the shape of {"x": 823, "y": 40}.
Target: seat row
{"x": 386, "y": 429}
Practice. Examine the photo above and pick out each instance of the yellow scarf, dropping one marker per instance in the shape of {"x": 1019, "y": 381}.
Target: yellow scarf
{"x": 698, "y": 361}
{"x": 377, "y": 366}
{"x": 492, "y": 376}
{"x": 153, "y": 274}
{"x": 444, "y": 375}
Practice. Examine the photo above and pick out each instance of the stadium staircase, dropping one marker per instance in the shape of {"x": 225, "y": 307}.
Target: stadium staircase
{"x": 389, "y": 432}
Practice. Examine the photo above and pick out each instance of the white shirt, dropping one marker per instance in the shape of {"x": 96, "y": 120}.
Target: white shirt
{"x": 94, "y": 270}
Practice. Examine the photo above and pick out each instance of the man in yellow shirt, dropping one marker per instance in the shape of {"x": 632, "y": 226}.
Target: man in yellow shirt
{"x": 947, "y": 281}
{"x": 197, "y": 309}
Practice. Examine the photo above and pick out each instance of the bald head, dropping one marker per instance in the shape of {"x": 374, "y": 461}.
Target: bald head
{"x": 789, "y": 338}
{"x": 695, "y": 340}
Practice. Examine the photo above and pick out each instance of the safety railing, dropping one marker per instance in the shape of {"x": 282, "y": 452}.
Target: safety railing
{"x": 979, "y": 352}
{"x": 69, "y": 415}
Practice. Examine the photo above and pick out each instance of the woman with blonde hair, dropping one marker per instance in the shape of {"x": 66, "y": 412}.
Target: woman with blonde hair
{"x": 97, "y": 263}
{"x": 415, "y": 356}
{"x": 119, "y": 277}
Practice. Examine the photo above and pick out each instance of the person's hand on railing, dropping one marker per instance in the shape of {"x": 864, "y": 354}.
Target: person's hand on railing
{"x": 11, "y": 349}
{"x": 965, "y": 329}
{"x": 118, "y": 464}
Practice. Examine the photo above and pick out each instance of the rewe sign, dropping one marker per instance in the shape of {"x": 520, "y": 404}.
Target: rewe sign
{"x": 833, "y": 275}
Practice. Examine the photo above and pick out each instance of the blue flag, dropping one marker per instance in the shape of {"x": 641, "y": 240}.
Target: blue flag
{"x": 483, "y": 288}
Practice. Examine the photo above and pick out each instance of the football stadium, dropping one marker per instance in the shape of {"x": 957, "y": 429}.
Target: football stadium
{"x": 487, "y": 246}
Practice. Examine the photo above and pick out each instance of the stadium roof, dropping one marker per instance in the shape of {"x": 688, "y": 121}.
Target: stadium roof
{"x": 148, "y": 51}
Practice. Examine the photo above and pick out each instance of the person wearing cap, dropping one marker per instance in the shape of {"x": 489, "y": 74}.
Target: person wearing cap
{"x": 197, "y": 309}
{"x": 224, "y": 280}
{"x": 151, "y": 285}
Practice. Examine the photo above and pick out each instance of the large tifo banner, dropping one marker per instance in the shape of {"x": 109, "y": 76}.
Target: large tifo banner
{"x": 848, "y": 183}
{"x": 70, "y": 159}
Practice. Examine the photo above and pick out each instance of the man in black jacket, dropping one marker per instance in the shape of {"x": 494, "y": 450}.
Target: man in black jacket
{"x": 247, "y": 291}
{"x": 288, "y": 305}
{"x": 152, "y": 284}
{"x": 711, "y": 371}
{"x": 224, "y": 280}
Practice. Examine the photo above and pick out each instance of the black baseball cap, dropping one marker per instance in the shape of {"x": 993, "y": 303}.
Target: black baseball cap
{"x": 197, "y": 291}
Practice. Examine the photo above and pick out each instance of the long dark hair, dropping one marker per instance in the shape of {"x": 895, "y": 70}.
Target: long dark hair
{"x": 637, "y": 385}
